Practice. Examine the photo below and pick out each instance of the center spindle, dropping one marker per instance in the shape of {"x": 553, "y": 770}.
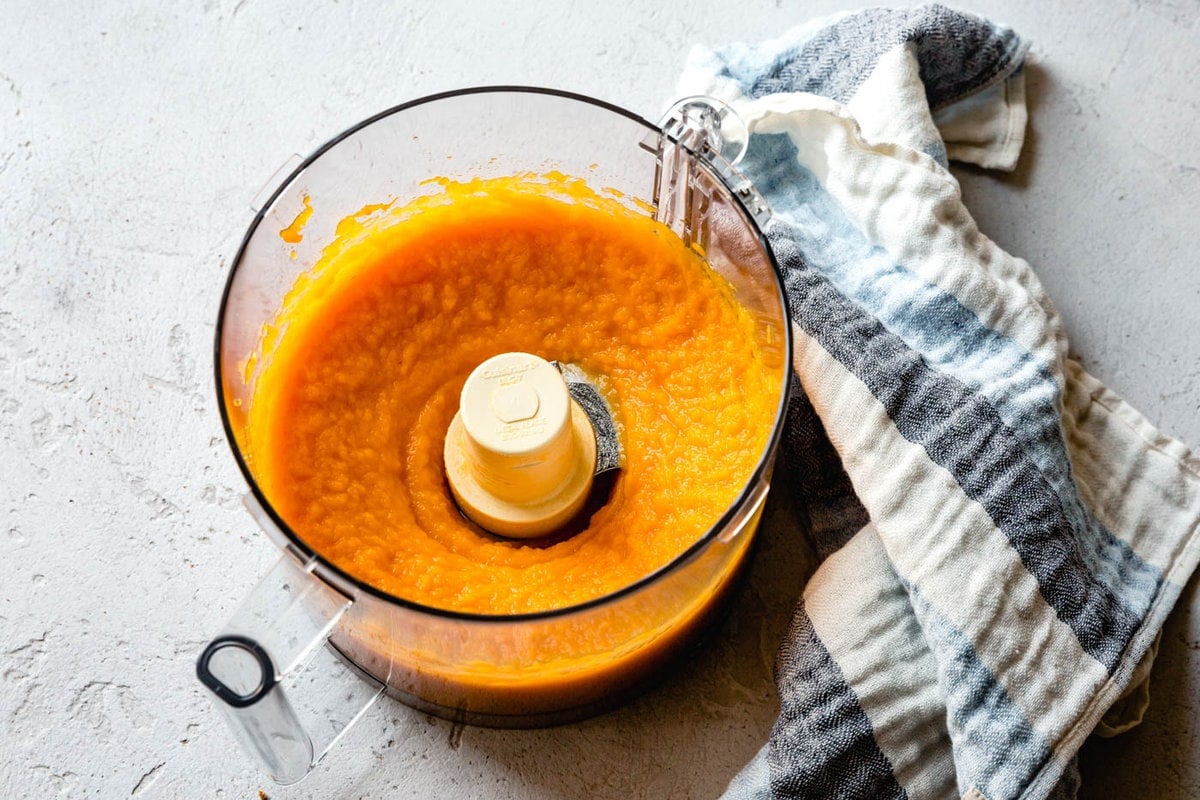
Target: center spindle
{"x": 520, "y": 453}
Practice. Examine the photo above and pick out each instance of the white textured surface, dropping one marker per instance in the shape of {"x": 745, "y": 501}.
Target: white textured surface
{"x": 132, "y": 139}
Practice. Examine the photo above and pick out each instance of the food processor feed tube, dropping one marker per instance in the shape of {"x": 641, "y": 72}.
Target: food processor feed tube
{"x": 591, "y": 610}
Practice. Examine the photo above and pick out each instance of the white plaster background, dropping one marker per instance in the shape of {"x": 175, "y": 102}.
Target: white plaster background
{"x": 132, "y": 138}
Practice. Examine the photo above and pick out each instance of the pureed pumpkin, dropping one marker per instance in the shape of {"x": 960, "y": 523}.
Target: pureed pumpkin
{"x": 362, "y": 375}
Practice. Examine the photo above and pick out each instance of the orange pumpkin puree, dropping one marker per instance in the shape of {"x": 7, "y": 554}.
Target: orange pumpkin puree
{"x": 370, "y": 351}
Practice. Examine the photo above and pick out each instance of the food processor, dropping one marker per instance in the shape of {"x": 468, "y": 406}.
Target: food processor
{"x": 312, "y": 647}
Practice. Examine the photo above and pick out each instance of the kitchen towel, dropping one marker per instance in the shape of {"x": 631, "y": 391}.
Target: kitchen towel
{"x": 1001, "y": 536}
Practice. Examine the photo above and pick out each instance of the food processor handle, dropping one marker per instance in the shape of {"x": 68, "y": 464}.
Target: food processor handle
{"x": 273, "y": 640}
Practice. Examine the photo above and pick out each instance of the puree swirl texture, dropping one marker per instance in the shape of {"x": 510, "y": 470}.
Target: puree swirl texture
{"x": 361, "y": 372}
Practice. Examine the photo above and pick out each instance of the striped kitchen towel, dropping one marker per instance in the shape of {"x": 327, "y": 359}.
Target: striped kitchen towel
{"x": 1001, "y": 536}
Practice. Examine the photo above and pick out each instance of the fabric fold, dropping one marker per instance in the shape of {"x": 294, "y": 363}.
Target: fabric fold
{"x": 1001, "y": 535}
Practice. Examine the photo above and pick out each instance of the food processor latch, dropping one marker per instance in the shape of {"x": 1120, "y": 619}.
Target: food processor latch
{"x": 708, "y": 131}
{"x": 286, "y": 698}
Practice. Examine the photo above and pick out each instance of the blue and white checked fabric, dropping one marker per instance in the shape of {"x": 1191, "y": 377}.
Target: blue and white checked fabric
{"x": 1001, "y": 536}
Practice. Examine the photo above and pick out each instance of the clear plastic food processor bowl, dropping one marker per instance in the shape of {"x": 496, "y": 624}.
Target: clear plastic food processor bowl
{"x": 312, "y": 648}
